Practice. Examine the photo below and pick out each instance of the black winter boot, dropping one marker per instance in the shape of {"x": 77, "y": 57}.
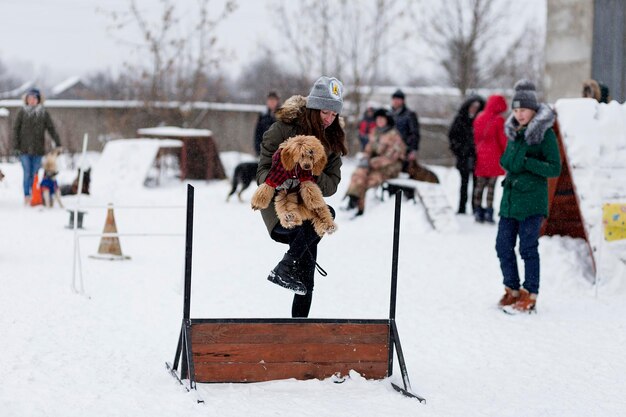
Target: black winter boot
{"x": 284, "y": 274}
{"x": 489, "y": 215}
{"x": 479, "y": 214}
{"x": 353, "y": 202}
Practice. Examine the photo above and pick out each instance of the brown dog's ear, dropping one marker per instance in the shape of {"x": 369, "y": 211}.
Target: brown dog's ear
{"x": 319, "y": 157}
{"x": 288, "y": 154}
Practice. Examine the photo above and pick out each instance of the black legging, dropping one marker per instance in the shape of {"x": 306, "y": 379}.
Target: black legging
{"x": 465, "y": 176}
{"x": 302, "y": 241}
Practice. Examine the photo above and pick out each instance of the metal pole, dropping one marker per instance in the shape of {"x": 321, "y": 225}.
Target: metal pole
{"x": 75, "y": 225}
{"x": 394, "y": 257}
{"x": 188, "y": 249}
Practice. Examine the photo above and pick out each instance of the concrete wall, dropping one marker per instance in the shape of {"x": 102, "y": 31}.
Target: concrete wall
{"x": 232, "y": 125}
{"x": 569, "y": 40}
{"x": 233, "y": 128}
{"x": 609, "y": 46}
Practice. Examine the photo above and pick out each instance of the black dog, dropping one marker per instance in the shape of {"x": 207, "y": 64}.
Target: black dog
{"x": 72, "y": 189}
{"x": 245, "y": 172}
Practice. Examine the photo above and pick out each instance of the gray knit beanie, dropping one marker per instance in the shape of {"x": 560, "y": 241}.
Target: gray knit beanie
{"x": 326, "y": 94}
{"x": 525, "y": 96}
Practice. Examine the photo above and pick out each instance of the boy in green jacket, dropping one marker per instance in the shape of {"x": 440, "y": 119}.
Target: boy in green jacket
{"x": 531, "y": 157}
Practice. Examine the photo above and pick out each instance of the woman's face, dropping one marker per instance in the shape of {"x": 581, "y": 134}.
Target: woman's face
{"x": 328, "y": 117}
{"x": 523, "y": 116}
{"x": 381, "y": 121}
{"x": 473, "y": 109}
{"x": 32, "y": 100}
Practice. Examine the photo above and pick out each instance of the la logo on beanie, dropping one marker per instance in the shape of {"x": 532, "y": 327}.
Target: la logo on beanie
{"x": 334, "y": 89}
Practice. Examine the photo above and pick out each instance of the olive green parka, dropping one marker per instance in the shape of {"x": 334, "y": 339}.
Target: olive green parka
{"x": 531, "y": 157}
{"x": 288, "y": 122}
{"x": 29, "y": 129}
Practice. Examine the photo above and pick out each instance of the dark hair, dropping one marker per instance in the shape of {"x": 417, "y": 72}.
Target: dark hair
{"x": 35, "y": 93}
{"x": 273, "y": 94}
{"x": 333, "y": 137}
{"x": 382, "y": 112}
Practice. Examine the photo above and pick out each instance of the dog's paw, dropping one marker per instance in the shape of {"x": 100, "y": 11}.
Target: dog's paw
{"x": 290, "y": 220}
{"x": 332, "y": 228}
{"x": 262, "y": 197}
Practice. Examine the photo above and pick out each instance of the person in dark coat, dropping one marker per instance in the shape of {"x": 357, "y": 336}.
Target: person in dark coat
{"x": 407, "y": 124}
{"x": 29, "y": 140}
{"x": 265, "y": 120}
{"x": 461, "y": 136}
{"x": 531, "y": 157}
{"x": 315, "y": 115}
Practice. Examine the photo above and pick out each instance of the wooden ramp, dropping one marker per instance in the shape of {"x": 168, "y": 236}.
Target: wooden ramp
{"x": 564, "y": 214}
{"x": 257, "y": 350}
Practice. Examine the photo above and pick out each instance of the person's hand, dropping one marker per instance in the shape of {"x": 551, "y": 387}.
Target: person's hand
{"x": 412, "y": 156}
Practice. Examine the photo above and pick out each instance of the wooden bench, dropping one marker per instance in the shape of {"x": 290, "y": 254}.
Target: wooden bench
{"x": 393, "y": 185}
{"x": 256, "y": 350}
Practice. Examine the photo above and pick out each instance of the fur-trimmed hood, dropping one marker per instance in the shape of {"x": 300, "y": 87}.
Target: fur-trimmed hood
{"x": 543, "y": 120}
{"x": 41, "y": 99}
{"x": 292, "y": 109}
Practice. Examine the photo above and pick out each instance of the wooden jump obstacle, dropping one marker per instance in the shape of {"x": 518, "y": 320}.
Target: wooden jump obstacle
{"x": 256, "y": 350}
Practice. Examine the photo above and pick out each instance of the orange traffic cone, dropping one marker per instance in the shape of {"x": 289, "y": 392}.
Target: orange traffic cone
{"x": 110, "y": 245}
{"x": 36, "y": 197}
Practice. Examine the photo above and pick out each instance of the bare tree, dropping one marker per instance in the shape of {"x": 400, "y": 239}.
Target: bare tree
{"x": 264, "y": 74}
{"x": 174, "y": 58}
{"x": 349, "y": 39}
{"x": 8, "y": 81}
{"x": 475, "y": 43}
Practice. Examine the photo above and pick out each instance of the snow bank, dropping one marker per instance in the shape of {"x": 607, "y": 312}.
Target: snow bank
{"x": 594, "y": 136}
{"x": 124, "y": 165}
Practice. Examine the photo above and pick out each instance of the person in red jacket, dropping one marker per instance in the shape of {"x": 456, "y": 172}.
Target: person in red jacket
{"x": 490, "y": 142}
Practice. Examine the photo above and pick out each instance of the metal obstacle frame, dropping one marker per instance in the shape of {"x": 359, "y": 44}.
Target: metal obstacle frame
{"x": 184, "y": 355}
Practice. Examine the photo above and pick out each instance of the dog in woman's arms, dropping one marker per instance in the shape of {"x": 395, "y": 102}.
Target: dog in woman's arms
{"x": 291, "y": 176}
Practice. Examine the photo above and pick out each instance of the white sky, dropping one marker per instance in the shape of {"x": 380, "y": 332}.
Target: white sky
{"x": 51, "y": 40}
{"x": 55, "y": 39}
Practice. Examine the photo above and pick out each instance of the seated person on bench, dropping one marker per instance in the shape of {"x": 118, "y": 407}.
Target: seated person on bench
{"x": 383, "y": 158}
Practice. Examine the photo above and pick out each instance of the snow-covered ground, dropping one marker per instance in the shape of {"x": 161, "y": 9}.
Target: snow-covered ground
{"x": 103, "y": 354}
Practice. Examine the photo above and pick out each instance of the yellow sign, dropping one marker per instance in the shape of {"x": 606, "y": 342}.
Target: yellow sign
{"x": 614, "y": 221}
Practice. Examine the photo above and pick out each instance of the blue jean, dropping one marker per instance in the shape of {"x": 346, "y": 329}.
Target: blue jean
{"x": 30, "y": 165}
{"x": 528, "y": 232}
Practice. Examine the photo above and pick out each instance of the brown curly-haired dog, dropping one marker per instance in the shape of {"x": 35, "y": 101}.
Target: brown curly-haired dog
{"x": 298, "y": 197}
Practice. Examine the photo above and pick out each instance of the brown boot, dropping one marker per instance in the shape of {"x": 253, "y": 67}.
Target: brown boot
{"x": 526, "y": 302}
{"x": 510, "y": 297}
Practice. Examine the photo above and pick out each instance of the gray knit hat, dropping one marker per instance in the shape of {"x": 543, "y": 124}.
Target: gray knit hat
{"x": 525, "y": 96}
{"x": 326, "y": 94}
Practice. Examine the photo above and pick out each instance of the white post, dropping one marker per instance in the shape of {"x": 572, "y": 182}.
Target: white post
{"x": 78, "y": 194}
